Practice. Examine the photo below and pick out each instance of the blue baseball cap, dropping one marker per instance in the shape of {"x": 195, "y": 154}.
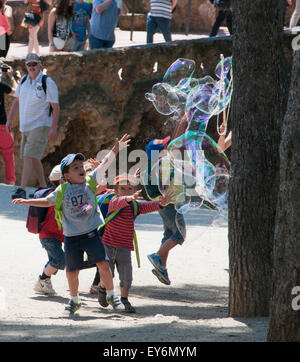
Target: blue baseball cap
{"x": 156, "y": 144}
{"x": 70, "y": 158}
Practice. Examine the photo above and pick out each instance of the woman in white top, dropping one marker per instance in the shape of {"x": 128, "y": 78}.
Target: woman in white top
{"x": 59, "y": 25}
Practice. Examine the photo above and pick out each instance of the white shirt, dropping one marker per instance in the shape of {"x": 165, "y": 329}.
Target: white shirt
{"x": 34, "y": 103}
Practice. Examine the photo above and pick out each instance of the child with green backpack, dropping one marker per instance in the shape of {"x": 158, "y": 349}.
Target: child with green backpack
{"x": 77, "y": 210}
{"x": 119, "y": 237}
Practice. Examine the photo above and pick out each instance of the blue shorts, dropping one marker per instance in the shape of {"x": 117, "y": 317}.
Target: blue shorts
{"x": 174, "y": 224}
{"x": 55, "y": 253}
{"x": 75, "y": 246}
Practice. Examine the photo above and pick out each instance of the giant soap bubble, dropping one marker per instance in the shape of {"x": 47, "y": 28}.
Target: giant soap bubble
{"x": 191, "y": 165}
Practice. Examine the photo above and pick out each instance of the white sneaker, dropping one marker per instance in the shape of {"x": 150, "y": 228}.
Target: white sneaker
{"x": 115, "y": 302}
{"x": 44, "y": 287}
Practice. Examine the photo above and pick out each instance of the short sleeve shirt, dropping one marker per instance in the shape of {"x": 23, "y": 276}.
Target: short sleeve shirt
{"x": 103, "y": 25}
{"x": 74, "y": 221}
{"x": 34, "y": 103}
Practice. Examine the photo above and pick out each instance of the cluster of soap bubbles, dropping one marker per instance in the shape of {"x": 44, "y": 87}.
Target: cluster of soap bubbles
{"x": 191, "y": 165}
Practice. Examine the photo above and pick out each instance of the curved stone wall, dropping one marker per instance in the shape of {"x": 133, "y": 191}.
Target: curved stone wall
{"x": 102, "y": 94}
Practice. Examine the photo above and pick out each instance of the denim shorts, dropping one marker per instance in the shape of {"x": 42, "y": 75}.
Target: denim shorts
{"x": 174, "y": 224}
{"x": 55, "y": 253}
{"x": 75, "y": 246}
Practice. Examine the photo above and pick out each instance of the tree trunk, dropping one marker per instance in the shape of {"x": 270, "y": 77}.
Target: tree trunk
{"x": 253, "y": 188}
{"x": 284, "y": 323}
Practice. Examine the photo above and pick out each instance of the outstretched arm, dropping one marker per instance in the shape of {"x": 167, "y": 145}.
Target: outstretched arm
{"x": 111, "y": 156}
{"x": 42, "y": 202}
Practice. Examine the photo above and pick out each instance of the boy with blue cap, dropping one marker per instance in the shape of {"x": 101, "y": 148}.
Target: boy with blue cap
{"x": 80, "y": 220}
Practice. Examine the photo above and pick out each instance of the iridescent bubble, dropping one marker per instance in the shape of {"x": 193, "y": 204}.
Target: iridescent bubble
{"x": 192, "y": 166}
{"x": 179, "y": 70}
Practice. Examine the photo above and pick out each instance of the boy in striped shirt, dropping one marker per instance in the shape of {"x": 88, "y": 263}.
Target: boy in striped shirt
{"x": 159, "y": 18}
{"x": 118, "y": 234}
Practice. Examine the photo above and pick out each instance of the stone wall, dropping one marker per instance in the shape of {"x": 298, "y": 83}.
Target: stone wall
{"x": 102, "y": 94}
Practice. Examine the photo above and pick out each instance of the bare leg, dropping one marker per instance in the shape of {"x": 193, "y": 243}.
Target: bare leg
{"x": 49, "y": 270}
{"x": 39, "y": 170}
{"x": 163, "y": 251}
{"x": 26, "y": 172}
{"x": 33, "y": 42}
{"x": 106, "y": 277}
{"x": 73, "y": 282}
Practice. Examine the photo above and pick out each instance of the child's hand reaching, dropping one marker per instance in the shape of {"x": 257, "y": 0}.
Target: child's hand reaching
{"x": 94, "y": 162}
{"x": 20, "y": 201}
{"x": 135, "y": 196}
{"x": 122, "y": 143}
{"x": 167, "y": 198}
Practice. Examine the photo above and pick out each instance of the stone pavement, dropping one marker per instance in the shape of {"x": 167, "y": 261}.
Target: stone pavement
{"x": 192, "y": 309}
{"x": 122, "y": 40}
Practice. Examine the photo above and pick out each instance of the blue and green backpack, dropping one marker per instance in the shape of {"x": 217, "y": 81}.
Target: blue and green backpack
{"x": 103, "y": 202}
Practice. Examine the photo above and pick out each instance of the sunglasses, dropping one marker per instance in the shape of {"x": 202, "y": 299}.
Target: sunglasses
{"x": 32, "y": 64}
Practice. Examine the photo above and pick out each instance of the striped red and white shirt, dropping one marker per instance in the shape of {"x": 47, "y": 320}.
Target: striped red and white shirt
{"x": 119, "y": 232}
{"x": 161, "y": 8}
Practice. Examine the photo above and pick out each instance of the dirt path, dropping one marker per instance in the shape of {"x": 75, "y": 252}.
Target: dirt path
{"x": 192, "y": 309}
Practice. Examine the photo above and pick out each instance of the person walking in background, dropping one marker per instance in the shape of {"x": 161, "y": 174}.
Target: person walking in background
{"x": 159, "y": 18}
{"x": 224, "y": 12}
{"x": 104, "y": 20}
{"x": 33, "y": 21}
{"x": 36, "y": 98}
{"x": 7, "y": 138}
{"x": 6, "y": 27}
{"x": 60, "y": 26}
{"x": 81, "y": 24}
{"x": 296, "y": 14}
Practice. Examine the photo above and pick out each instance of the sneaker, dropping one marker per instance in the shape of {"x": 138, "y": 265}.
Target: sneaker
{"x": 128, "y": 307}
{"x": 155, "y": 260}
{"x": 44, "y": 286}
{"x": 102, "y": 297}
{"x": 94, "y": 289}
{"x": 162, "y": 276}
{"x": 115, "y": 302}
{"x": 19, "y": 193}
{"x": 71, "y": 308}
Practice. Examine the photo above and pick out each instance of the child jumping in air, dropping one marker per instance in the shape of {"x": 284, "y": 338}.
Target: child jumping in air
{"x": 80, "y": 220}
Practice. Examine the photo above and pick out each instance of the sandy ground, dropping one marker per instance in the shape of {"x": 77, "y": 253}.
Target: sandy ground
{"x": 192, "y": 309}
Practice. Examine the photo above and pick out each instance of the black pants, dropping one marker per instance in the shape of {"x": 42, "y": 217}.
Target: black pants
{"x": 221, "y": 16}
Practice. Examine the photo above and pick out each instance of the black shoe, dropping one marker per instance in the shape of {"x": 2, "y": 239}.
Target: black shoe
{"x": 19, "y": 193}
{"x": 128, "y": 307}
{"x": 71, "y": 308}
{"x": 102, "y": 297}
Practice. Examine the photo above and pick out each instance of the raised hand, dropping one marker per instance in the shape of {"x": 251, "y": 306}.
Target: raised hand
{"x": 167, "y": 198}
{"x": 94, "y": 162}
{"x": 122, "y": 143}
{"x": 135, "y": 196}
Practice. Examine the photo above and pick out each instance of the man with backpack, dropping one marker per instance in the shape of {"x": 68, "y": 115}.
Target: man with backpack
{"x": 36, "y": 98}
